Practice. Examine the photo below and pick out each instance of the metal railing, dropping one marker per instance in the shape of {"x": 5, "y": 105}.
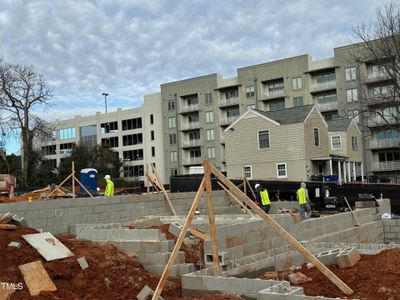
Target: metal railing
{"x": 228, "y": 120}
{"x": 378, "y": 121}
{"x": 192, "y": 161}
{"x": 323, "y": 86}
{"x": 228, "y": 102}
{"x": 274, "y": 94}
{"x": 187, "y": 108}
{"x": 192, "y": 143}
{"x": 328, "y": 105}
{"x": 386, "y": 166}
{"x": 190, "y": 125}
{"x": 372, "y": 77}
{"x": 384, "y": 143}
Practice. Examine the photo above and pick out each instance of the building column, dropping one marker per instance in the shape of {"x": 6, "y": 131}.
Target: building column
{"x": 362, "y": 173}
{"x": 349, "y": 171}
{"x": 330, "y": 166}
{"x": 344, "y": 172}
{"x": 354, "y": 171}
{"x": 339, "y": 171}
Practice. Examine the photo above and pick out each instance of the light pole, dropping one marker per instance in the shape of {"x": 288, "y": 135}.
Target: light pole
{"x": 105, "y": 100}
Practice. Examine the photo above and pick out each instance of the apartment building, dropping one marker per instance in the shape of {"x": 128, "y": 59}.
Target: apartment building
{"x": 197, "y": 110}
{"x": 135, "y": 134}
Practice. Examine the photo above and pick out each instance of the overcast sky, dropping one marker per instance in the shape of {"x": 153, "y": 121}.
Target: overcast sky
{"x": 127, "y": 48}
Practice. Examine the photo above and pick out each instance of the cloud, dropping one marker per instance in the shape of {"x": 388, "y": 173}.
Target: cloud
{"x": 128, "y": 48}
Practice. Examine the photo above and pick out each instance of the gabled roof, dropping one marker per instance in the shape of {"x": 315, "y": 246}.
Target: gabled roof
{"x": 339, "y": 125}
{"x": 288, "y": 115}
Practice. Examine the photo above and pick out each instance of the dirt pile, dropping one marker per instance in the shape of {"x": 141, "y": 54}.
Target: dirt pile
{"x": 111, "y": 273}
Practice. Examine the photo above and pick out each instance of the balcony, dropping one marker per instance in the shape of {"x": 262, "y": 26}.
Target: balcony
{"x": 328, "y": 105}
{"x": 274, "y": 94}
{"x": 385, "y": 143}
{"x": 190, "y": 125}
{"x": 383, "y": 99}
{"x": 192, "y": 161}
{"x": 228, "y": 120}
{"x": 187, "y": 143}
{"x": 189, "y": 108}
{"x": 386, "y": 166}
{"x": 229, "y": 102}
{"x": 323, "y": 86}
{"x": 376, "y": 77}
{"x": 378, "y": 121}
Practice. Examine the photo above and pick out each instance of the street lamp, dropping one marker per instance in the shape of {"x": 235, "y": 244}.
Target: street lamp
{"x": 105, "y": 100}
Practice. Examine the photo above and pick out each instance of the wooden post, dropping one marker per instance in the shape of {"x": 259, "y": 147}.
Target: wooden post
{"x": 147, "y": 178}
{"x": 86, "y": 190}
{"x": 352, "y": 213}
{"x": 73, "y": 180}
{"x": 60, "y": 185}
{"x": 236, "y": 199}
{"x": 281, "y": 231}
{"x": 211, "y": 221}
{"x": 251, "y": 189}
{"x": 163, "y": 189}
{"x": 179, "y": 242}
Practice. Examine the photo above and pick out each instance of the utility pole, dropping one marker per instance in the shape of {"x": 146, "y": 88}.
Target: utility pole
{"x": 105, "y": 100}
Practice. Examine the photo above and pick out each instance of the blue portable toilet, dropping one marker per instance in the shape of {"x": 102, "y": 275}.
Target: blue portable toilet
{"x": 88, "y": 178}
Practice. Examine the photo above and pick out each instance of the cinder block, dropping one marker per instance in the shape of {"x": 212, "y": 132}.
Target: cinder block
{"x": 83, "y": 263}
{"x": 224, "y": 258}
{"x": 329, "y": 257}
{"x": 146, "y": 293}
{"x": 14, "y": 244}
{"x": 158, "y": 258}
{"x": 348, "y": 257}
{"x": 19, "y": 221}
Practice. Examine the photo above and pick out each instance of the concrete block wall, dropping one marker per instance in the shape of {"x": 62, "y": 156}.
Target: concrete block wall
{"x": 391, "y": 229}
{"x": 57, "y": 215}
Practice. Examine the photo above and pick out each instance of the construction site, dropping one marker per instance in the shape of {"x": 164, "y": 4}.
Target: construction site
{"x": 208, "y": 244}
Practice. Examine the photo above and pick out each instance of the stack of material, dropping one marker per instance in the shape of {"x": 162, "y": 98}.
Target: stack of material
{"x": 9, "y": 221}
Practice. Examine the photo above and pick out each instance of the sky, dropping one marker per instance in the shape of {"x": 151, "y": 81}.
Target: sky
{"x": 127, "y": 48}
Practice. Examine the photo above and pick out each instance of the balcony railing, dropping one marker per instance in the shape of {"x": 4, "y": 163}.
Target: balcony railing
{"x": 377, "y": 77}
{"x": 228, "y": 120}
{"x": 377, "y": 121}
{"x": 189, "y": 108}
{"x": 385, "y": 143}
{"x": 328, "y": 105}
{"x": 229, "y": 102}
{"x": 329, "y": 85}
{"x": 190, "y": 125}
{"x": 274, "y": 94}
{"x": 386, "y": 166}
{"x": 192, "y": 143}
{"x": 192, "y": 161}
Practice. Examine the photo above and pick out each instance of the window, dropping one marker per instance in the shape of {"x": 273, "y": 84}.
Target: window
{"x": 67, "y": 133}
{"x": 277, "y": 105}
{"x": 250, "y": 92}
{"x": 67, "y": 148}
{"x": 195, "y": 152}
{"x": 194, "y": 135}
{"x": 111, "y": 141}
{"x": 151, "y": 119}
{"x": 353, "y": 114}
{"x": 109, "y": 127}
{"x": 387, "y": 134}
{"x": 208, "y": 98}
{"x": 153, "y": 151}
{"x": 88, "y": 135}
{"x": 171, "y": 122}
{"x": 297, "y": 101}
{"x": 173, "y": 156}
{"x": 209, "y": 116}
{"x": 133, "y": 155}
{"x": 263, "y": 140}
{"x": 336, "y": 142}
{"x": 152, "y": 135}
{"x": 281, "y": 170}
{"x": 231, "y": 94}
{"x": 274, "y": 88}
{"x": 49, "y": 150}
{"x": 172, "y": 139}
{"x": 352, "y": 95}
{"x": 132, "y": 124}
{"x": 354, "y": 143}
{"x": 171, "y": 105}
{"x": 247, "y": 172}
{"x": 211, "y": 152}
{"x": 350, "y": 73}
{"x": 328, "y": 98}
{"x": 210, "y": 134}
{"x": 324, "y": 78}
{"x": 384, "y": 90}
{"x": 297, "y": 83}
{"x": 174, "y": 172}
{"x": 132, "y": 139}
{"x": 133, "y": 171}
{"x": 316, "y": 137}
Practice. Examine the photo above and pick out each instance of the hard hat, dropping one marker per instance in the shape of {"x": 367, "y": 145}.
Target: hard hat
{"x": 256, "y": 185}
{"x": 107, "y": 177}
{"x": 303, "y": 185}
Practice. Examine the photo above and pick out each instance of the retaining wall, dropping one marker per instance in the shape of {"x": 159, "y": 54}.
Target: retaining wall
{"x": 391, "y": 229}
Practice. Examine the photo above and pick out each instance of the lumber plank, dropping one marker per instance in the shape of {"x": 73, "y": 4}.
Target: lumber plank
{"x": 8, "y": 226}
{"x": 60, "y": 185}
{"x": 86, "y": 190}
{"x": 211, "y": 221}
{"x": 163, "y": 190}
{"x": 236, "y": 199}
{"x": 281, "y": 231}
{"x": 179, "y": 242}
{"x": 199, "y": 234}
{"x": 36, "y": 278}
{"x": 251, "y": 188}
{"x": 357, "y": 224}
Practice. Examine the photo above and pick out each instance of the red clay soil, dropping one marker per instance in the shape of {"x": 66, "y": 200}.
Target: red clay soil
{"x": 111, "y": 273}
{"x": 374, "y": 277}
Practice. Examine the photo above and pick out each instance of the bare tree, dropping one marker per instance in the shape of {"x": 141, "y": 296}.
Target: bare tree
{"x": 22, "y": 93}
{"x": 380, "y": 51}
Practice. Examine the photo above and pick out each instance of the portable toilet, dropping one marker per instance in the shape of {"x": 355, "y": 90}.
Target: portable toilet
{"x": 88, "y": 178}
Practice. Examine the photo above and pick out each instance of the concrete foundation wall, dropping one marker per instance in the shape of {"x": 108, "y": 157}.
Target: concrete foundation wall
{"x": 391, "y": 229}
{"x": 58, "y": 214}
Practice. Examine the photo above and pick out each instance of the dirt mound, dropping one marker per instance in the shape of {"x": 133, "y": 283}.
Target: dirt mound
{"x": 374, "y": 277}
{"x": 111, "y": 273}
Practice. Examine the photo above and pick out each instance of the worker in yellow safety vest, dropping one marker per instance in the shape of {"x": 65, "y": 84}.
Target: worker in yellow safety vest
{"x": 109, "y": 187}
{"x": 304, "y": 202}
{"x": 263, "y": 197}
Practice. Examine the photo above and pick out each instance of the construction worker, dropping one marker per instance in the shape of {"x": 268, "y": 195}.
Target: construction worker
{"x": 109, "y": 187}
{"x": 263, "y": 197}
{"x": 304, "y": 202}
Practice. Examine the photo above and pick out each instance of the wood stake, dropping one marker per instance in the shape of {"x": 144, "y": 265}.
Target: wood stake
{"x": 163, "y": 189}
{"x": 179, "y": 242}
{"x": 352, "y": 213}
{"x": 236, "y": 199}
{"x": 280, "y": 230}
{"x": 58, "y": 186}
{"x": 251, "y": 189}
{"x": 86, "y": 190}
{"x": 211, "y": 221}
{"x": 73, "y": 180}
